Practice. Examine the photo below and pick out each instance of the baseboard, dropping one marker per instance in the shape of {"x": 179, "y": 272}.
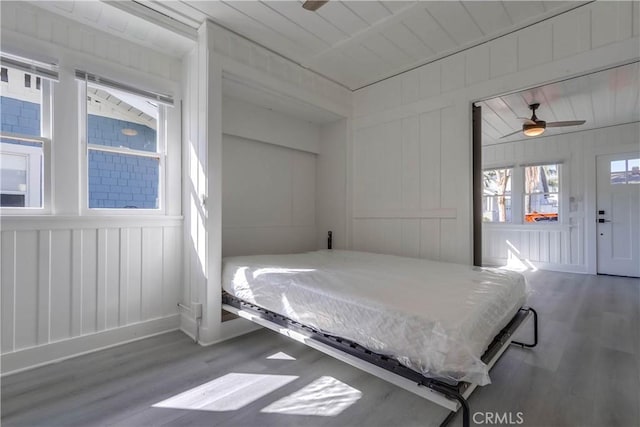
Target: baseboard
{"x": 33, "y": 357}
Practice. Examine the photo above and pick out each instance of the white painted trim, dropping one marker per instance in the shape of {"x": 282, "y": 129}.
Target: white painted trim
{"x": 33, "y": 357}
{"x": 157, "y": 18}
{"x": 125, "y": 150}
{"x": 405, "y": 213}
{"x": 528, "y": 227}
{"x": 42, "y": 222}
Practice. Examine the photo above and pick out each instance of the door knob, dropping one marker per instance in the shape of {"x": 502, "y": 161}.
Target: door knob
{"x": 602, "y": 220}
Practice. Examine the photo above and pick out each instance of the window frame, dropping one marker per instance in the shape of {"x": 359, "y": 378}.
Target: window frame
{"x": 46, "y": 106}
{"x": 561, "y": 203}
{"x": 512, "y": 168}
{"x": 160, "y": 154}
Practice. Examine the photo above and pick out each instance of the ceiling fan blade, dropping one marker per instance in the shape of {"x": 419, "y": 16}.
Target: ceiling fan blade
{"x": 526, "y": 120}
{"x": 511, "y": 134}
{"x": 567, "y": 123}
{"x": 314, "y": 5}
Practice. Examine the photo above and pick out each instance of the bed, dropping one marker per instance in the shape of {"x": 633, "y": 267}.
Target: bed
{"x": 435, "y": 324}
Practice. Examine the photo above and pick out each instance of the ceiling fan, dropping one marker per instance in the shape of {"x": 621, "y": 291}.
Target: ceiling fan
{"x": 536, "y": 127}
{"x": 313, "y": 5}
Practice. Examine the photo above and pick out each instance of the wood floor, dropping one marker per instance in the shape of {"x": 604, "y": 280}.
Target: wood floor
{"x": 584, "y": 372}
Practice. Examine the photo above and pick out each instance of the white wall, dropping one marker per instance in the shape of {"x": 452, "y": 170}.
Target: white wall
{"x": 219, "y": 51}
{"x": 74, "y": 281}
{"x": 331, "y": 184}
{"x": 268, "y": 198}
{"x": 251, "y": 121}
{"x": 562, "y": 246}
{"x": 411, "y": 165}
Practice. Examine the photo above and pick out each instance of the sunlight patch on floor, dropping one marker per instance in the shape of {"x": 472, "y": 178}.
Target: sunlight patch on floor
{"x": 280, "y": 356}
{"x": 326, "y": 396}
{"x": 227, "y": 393}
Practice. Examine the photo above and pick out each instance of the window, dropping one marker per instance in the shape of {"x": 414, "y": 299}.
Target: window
{"x": 625, "y": 171}
{"x": 496, "y": 198}
{"x": 125, "y": 149}
{"x": 24, "y": 145}
{"x": 541, "y": 193}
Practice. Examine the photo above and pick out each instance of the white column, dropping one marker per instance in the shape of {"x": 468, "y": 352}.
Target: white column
{"x": 66, "y": 147}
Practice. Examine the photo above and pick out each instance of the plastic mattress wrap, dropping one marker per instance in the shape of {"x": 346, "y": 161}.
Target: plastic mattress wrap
{"x": 434, "y": 317}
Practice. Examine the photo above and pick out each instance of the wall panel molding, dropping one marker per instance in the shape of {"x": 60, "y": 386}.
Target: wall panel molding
{"x": 46, "y": 222}
{"x": 80, "y": 284}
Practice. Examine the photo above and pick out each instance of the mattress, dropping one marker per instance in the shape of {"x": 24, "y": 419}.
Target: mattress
{"x": 434, "y": 317}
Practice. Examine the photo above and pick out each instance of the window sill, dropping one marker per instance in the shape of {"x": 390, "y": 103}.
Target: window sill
{"x": 528, "y": 227}
{"x": 57, "y": 222}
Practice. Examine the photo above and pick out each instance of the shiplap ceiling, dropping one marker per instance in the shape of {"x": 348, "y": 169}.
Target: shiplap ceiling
{"x": 354, "y": 43}
{"x": 606, "y": 98}
{"x": 359, "y": 42}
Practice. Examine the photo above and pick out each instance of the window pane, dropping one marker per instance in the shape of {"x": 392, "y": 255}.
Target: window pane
{"x": 20, "y": 106}
{"x": 618, "y": 172}
{"x": 122, "y": 181}
{"x": 118, "y": 119}
{"x": 541, "y": 179}
{"x": 633, "y": 171}
{"x": 497, "y": 181}
{"x": 496, "y": 209}
{"x": 21, "y": 166}
{"x": 541, "y": 207}
{"x": 123, "y": 121}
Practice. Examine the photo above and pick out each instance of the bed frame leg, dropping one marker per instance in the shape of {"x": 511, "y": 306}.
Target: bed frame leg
{"x": 535, "y": 331}
{"x": 463, "y": 405}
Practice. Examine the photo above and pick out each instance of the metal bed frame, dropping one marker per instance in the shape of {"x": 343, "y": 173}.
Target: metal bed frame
{"x": 451, "y": 395}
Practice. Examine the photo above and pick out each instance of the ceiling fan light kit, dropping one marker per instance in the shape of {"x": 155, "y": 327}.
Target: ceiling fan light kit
{"x": 534, "y": 130}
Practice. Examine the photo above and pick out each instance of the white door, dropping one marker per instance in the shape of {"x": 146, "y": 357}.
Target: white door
{"x": 618, "y": 216}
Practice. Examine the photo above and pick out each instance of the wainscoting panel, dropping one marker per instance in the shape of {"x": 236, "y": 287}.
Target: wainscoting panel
{"x": 63, "y": 280}
{"x": 553, "y": 247}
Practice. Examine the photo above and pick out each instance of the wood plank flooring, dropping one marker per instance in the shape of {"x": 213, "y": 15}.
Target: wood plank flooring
{"x": 584, "y": 372}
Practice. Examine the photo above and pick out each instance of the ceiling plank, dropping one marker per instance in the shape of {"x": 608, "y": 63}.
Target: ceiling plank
{"x": 602, "y": 97}
{"x": 251, "y": 28}
{"x": 626, "y": 90}
{"x": 313, "y": 22}
{"x": 336, "y": 13}
{"x": 500, "y": 116}
{"x": 429, "y": 31}
{"x": 455, "y": 20}
{"x": 579, "y": 94}
{"x": 490, "y": 16}
{"x": 396, "y": 6}
{"x": 369, "y": 11}
{"x": 282, "y": 25}
{"x": 520, "y": 11}
{"x": 400, "y": 35}
{"x": 557, "y": 103}
{"x": 388, "y": 51}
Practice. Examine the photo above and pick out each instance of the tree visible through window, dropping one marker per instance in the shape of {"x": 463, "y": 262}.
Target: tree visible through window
{"x": 542, "y": 191}
{"x": 497, "y": 195}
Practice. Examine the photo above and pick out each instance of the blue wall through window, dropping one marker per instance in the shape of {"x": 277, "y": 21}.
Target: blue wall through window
{"x": 19, "y": 116}
{"x": 108, "y": 131}
{"x": 122, "y": 180}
